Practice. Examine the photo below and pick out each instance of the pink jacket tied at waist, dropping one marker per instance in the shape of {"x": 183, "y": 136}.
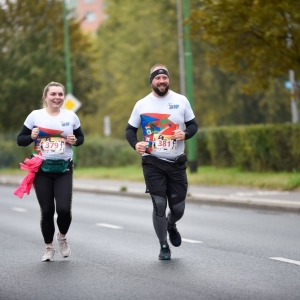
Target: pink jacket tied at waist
{"x": 32, "y": 165}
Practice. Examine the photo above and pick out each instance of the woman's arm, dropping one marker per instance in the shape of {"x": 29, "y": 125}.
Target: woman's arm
{"x": 79, "y": 136}
{"x": 24, "y": 138}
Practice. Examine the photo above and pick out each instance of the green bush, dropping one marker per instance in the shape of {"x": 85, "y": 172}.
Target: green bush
{"x": 95, "y": 152}
{"x": 11, "y": 153}
{"x": 218, "y": 146}
{"x": 106, "y": 152}
{"x": 204, "y": 158}
{"x": 254, "y": 148}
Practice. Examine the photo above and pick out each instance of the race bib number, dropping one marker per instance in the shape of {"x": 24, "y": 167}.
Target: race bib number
{"x": 52, "y": 145}
{"x": 164, "y": 143}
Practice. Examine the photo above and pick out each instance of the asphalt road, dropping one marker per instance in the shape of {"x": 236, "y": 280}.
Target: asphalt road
{"x": 227, "y": 253}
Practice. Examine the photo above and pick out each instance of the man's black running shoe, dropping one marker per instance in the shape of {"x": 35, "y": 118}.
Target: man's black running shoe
{"x": 165, "y": 252}
{"x": 174, "y": 235}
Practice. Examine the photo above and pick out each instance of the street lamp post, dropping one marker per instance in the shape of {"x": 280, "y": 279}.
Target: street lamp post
{"x": 69, "y": 86}
{"x": 192, "y": 143}
{"x": 289, "y": 42}
{"x": 180, "y": 49}
{"x": 67, "y": 51}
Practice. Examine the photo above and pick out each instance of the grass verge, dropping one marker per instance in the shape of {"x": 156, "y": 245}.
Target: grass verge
{"x": 205, "y": 176}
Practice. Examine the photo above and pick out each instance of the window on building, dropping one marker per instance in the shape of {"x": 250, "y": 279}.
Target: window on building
{"x": 90, "y": 16}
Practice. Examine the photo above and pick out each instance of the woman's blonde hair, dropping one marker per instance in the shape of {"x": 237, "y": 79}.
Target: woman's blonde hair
{"x": 46, "y": 89}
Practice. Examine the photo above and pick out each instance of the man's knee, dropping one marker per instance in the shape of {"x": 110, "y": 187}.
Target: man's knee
{"x": 159, "y": 201}
{"x": 178, "y": 209}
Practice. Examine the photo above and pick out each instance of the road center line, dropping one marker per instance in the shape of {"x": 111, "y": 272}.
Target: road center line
{"x": 19, "y": 209}
{"x": 290, "y": 261}
{"x": 109, "y": 226}
{"x": 191, "y": 241}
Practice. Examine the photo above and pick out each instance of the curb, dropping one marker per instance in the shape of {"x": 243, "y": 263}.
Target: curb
{"x": 205, "y": 199}
{"x": 217, "y": 200}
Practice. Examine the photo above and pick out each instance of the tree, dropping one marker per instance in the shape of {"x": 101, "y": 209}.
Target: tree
{"x": 32, "y": 55}
{"x": 136, "y": 35}
{"x": 249, "y": 37}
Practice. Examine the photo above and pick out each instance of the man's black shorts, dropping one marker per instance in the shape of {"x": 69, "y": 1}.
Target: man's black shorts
{"x": 161, "y": 175}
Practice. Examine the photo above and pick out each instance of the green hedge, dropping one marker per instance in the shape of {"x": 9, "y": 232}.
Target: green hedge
{"x": 252, "y": 148}
{"x": 101, "y": 151}
{"x": 96, "y": 151}
{"x": 11, "y": 153}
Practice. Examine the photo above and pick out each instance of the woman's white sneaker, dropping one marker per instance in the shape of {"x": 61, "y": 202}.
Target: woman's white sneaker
{"x": 48, "y": 254}
{"x": 64, "y": 246}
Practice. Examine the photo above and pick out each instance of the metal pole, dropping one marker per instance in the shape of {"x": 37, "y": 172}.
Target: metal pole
{"x": 67, "y": 51}
{"x": 180, "y": 49}
{"x": 192, "y": 143}
{"x": 289, "y": 42}
{"x": 69, "y": 86}
{"x": 294, "y": 108}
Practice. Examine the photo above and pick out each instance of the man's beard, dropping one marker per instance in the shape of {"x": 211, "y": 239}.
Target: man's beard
{"x": 159, "y": 93}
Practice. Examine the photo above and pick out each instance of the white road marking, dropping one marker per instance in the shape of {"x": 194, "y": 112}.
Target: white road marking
{"x": 120, "y": 227}
{"x": 192, "y": 241}
{"x": 290, "y": 261}
{"x": 19, "y": 209}
{"x": 109, "y": 226}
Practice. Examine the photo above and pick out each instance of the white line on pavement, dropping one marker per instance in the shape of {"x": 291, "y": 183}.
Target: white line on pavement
{"x": 120, "y": 227}
{"x": 295, "y": 262}
{"x": 109, "y": 226}
{"x": 19, "y": 209}
{"x": 192, "y": 241}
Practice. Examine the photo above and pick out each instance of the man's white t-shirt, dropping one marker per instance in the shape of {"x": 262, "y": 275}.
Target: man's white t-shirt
{"x": 53, "y": 130}
{"x": 159, "y": 117}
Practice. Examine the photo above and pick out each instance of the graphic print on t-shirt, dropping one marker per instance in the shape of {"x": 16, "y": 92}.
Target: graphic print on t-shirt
{"x": 49, "y": 141}
{"x": 158, "y": 132}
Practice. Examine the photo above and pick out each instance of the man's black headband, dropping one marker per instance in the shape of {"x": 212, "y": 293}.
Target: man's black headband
{"x": 158, "y": 72}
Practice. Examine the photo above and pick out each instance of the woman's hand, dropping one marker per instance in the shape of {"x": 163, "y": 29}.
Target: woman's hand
{"x": 71, "y": 139}
{"x": 35, "y": 133}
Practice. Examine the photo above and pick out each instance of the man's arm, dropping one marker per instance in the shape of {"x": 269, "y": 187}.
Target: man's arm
{"x": 131, "y": 135}
{"x": 191, "y": 128}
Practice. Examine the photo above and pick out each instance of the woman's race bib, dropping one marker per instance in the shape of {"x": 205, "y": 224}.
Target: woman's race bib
{"x": 52, "y": 145}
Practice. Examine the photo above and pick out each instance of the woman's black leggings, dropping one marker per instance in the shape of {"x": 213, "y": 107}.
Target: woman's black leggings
{"x": 58, "y": 187}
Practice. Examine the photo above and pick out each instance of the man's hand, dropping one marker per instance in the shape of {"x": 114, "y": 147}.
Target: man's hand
{"x": 140, "y": 147}
{"x": 179, "y": 135}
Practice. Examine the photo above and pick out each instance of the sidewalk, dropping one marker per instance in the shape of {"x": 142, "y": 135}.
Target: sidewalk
{"x": 226, "y": 196}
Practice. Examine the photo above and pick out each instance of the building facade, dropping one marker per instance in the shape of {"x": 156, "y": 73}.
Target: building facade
{"x": 90, "y": 13}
